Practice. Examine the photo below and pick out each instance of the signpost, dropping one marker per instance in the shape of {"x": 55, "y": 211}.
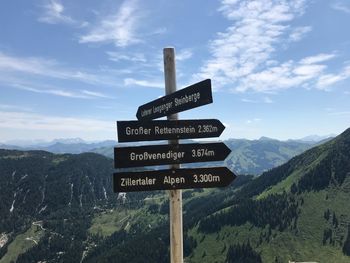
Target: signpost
{"x": 188, "y": 98}
{"x": 172, "y": 129}
{"x": 175, "y": 196}
{"x": 135, "y": 131}
{"x": 137, "y": 156}
{"x": 172, "y": 179}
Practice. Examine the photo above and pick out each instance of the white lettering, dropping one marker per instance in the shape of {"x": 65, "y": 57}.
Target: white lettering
{"x": 138, "y": 181}
{"x": 170, "y": 155}
{"x": 186, "y": 99}
{"x": 138, "y": 131}
{"x": 173, "y": 180}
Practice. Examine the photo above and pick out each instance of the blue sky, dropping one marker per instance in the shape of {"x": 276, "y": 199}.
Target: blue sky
{"x": 72, "y": 68}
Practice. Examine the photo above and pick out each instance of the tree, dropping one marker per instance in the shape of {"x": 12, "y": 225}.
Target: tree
{"x": 327, "y": 214}
{"x": 346, "y": 246}
{"x": 242, "y": 254}
{"x": 335, "y": 220}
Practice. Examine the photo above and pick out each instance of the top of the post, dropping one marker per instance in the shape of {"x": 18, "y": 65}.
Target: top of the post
{"x": 170, "y": 75}
{"x": 169, "y": 70}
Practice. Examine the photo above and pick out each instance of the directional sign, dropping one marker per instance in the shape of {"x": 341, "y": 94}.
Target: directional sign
{"x": 169, "y": 154}
{"x": 172, "y": 179}
{"x": 190, "y": 97}
{"x": 134, "y": 131}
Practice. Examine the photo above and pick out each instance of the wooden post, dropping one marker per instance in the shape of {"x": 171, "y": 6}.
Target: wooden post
{"x": 175, "y": 196}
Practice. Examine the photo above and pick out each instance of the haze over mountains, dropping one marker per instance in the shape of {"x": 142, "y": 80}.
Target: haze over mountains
{"x": 45, "y": 143}
{"x": 316, "y": 138}
{"x": 72, "y": 145}
{"x": 247, "y": 157}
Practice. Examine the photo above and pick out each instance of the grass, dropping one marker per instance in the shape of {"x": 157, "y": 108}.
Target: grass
{"x": 212, "y": 248}
{"x": 22, "y": 243}
{"x": 105, "y": 224}
{"x": 294, "y": 177}
{"x": 58, "y": 159}
{"x": 284, "y": 185}
{"x": 108, "y": 222}
{"x": 305, "y": 244}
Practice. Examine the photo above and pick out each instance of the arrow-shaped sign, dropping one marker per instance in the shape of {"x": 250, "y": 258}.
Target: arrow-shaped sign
{"x": 169, "y": 154}
{"x": 172, "y": 179}
{"x": 134, "y": 131}
{"x": 190, "y": 97}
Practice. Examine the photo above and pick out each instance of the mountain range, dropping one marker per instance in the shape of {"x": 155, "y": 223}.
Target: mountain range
{"x": 257, "y": 156}
{"x": 316, "y": 138}
{"x": 296, "y": 212}
{"x": 59, "y": 146}
{"x": 61, "y": 208}
{"x": 247, "y": 157}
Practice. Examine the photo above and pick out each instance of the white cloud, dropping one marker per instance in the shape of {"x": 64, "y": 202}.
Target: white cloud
{"x": 341, "y": 6}
{"x": 339, "y": 113}
{"x": 184, "y": 54}
{"x": 253, "y": 121}
{"x": 317, "y": 59}
{"x": 118, "y": 56}
{"x": 53, "y": 13}
{"x": 309, "y": 71}
{"x": 265, "y": 99}
{"x": 14, "y": 107}
{"x": 39, "y": 122}
{"x": 243, "y": 56}
{"x": 268, "y": 100}
{"x": 249, "y": 100}
{"x": 95, "y": 94}
{"x": 257, "y": 29}
{"x": 304, "y": 73}
{"x": 47, "y": 68}
{"x": 83, "y": 94}
{"x": 143, "y": 83}
{"x": 327, "y": 80}
{"x": 56, "y": 92}
{"x": 287, "y": 75}
{"x": 119, "y": 28}
{"x": 159, "y": 31}
{"x": 12, "y": 69}
{"x": 29, "y": 65}
{"x": 299, "y": 32}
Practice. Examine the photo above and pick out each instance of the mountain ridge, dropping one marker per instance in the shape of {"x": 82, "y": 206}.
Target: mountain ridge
{"x": 247, "y": 157}
{"x": 297, "y": 211}
{"x": 292, "y": 214}
{"x": 305, "y": 224}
